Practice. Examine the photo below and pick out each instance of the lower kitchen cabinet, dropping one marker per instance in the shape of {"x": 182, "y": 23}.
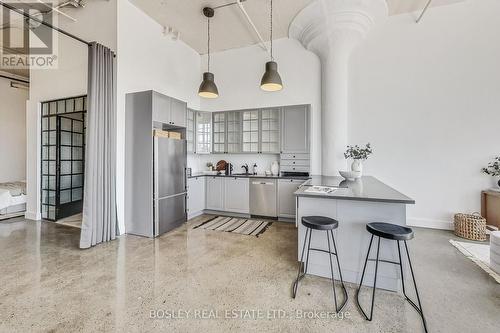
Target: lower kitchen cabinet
{"x": 236, "y": 195}
{"x": 286, "y": 198}
{"x": 215, "y": 193}
{"x": 196, "y": 196}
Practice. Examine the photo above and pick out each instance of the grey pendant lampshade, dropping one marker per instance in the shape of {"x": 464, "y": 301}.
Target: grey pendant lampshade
{"x": 208, "y": 89}
{"x": 271, "y": 81}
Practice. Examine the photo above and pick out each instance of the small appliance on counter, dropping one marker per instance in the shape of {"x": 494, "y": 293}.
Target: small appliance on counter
{"x": 229, "y": 169}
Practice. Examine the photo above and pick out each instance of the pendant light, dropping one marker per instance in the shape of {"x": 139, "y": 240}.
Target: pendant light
{"x": 208, "y": 89}
{"x": 271, "y": 81}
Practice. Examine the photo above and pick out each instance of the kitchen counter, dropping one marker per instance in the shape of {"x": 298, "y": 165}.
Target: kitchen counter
{"x": 195, "y": 175}
{"x": 353, "y": 204}
{"x": 363, "y": 189}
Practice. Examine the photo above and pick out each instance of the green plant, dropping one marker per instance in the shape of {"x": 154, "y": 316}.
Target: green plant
{"x": 357, "y": 153}
{"x": 493, "y": 168}
{"x": 210, "y": 165}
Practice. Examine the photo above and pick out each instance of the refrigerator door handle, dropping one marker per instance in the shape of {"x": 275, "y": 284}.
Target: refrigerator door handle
{"x": 173, "y": 195}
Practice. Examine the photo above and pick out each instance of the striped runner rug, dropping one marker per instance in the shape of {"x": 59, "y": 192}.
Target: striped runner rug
{"x": 235, "y": 224}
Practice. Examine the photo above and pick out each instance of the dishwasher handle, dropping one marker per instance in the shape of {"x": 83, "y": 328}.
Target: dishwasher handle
{"x": 262, "y": 183}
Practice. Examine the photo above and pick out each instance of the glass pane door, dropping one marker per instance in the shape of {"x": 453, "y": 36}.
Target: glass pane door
{"x": 270, "y": 134}
{"x": 203, "y": 132}
{"x": 251, "y": 131}
{"x": 234, "y": 131}
{"x": 190, "y": 131}
{"x": 63, "y": 152}
{"x": 70, "y": 165}
{"x": 219, "y": 133}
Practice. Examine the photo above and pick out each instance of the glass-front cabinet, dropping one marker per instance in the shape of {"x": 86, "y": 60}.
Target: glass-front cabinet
{"x": 203, "y": 132}
{"x": 190, "y": 131}
{"x": 233, "y": 129}
{"x": 250, "y": 131}
{"x": 219, "y": 133}
{"x": 270, "y": 132}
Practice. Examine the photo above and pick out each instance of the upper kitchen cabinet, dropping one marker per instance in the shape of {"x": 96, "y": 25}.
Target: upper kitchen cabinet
{"x": 233, "y": 130}
{"x": 203, "y": 125}
{"x": 295, "y": 129}
{"x": 169, "y": 110}
{"x": 178, "y": 112}
{"x": 219, "y": 133}
{"x": 190, "y": 131}
{"x": 251, "y": 130}
{"x": 270, "y": 131}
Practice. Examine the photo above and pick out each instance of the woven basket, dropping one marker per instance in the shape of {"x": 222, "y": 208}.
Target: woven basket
{"x": 470, "y": 226}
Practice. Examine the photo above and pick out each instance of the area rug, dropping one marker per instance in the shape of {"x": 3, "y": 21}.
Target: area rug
{"x": 235, "y": 224}
{"x": 479, "y": 254}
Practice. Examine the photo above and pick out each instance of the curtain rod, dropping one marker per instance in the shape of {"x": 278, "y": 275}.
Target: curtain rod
{"x": 13, "y": 79}
{"x": 20, "y": 12}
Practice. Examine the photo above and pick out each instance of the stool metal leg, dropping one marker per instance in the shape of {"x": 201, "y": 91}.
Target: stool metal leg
{"x": 346, "y": 296}
{"x": 374, "y": 281}
{"x": 301, "y": 263}
{"x": 419, "y": 307}
{"x": 331, "y": 270}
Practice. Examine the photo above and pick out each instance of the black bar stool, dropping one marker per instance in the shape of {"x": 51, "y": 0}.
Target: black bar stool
{"x": 399, "y": 234}
{"x": 323, "y": 224}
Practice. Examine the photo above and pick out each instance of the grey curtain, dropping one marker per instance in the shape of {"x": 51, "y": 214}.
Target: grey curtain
{"x": 99, "y": 199}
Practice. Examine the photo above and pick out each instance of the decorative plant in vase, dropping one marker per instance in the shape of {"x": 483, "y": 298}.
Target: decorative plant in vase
{"x": 493, "y": 169}
{"x": 358, "y": 155}
{"x": 210, "y": 166}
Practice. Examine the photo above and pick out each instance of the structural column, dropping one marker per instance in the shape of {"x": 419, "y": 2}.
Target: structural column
{"x": 332, "y": 29}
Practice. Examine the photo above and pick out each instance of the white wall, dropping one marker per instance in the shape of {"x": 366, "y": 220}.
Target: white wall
{"x": 149, "y": 60}
{"x": 95, "y": 22}
{"x": 427, "y": 96}
{"x": 238, "y": 73}
{"x": 12, "y": 132}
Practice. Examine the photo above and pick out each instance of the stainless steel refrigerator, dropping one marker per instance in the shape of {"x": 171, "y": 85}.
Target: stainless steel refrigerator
{"x": 170, "y": 188}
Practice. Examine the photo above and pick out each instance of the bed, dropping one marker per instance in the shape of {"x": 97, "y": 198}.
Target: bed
{"x": 12, "y": 199}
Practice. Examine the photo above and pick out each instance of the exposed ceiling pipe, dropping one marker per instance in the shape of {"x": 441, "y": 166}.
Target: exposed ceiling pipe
{"x": 262, "y": 42}
{"x": 424, "y": 10}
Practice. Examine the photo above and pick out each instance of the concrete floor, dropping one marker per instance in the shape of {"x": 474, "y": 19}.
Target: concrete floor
{"x": 47, "y": 284}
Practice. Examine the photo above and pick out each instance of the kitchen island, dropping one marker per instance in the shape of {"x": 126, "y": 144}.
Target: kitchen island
{"x": 353, "y": 204}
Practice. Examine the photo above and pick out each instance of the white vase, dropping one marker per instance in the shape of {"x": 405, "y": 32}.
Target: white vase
{"x": 357, "y": 165}
{"x": 275, "y": 168}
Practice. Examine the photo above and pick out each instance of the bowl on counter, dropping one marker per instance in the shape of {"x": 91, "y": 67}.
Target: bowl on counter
{"x": 350, "y": 175}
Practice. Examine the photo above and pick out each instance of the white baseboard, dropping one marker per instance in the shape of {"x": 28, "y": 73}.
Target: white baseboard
{"x": 193, "y": 215}
{"x": 32, "y": 216}
{"x": 429, "y": 223}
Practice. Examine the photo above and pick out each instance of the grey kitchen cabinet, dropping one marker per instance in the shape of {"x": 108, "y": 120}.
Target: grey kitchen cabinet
{"x": 270, "y": 131}
{"x": 286, "y": 198}
{"x": 178, "y": 112}
{"x": 196, "y": 196}
{"x": 237, "y": 195}
{"x": 251, "y": 131}
{"x": 168, "y": 110}
{"x": 219, "y": 133}
{"x": 295, "y": 129}
{"x": 190, "y": 131}
{"x": 203, "y": 132}
{"x": 233, "y": 130}
{"x": 215, "y": 193}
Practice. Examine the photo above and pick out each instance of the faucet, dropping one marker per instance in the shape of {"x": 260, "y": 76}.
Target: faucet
{"x": 245, "y": 167}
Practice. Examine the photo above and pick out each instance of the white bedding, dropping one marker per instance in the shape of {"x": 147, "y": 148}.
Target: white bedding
{"x": 7, "y": 200}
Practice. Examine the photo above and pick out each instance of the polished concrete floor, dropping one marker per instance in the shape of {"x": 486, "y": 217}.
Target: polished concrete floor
{"x": 199, "y": 280}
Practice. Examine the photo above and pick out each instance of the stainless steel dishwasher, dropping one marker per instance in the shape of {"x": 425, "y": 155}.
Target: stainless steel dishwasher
{"x": 263, "y": 197}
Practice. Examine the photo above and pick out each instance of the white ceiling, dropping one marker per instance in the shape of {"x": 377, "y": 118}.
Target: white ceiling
{"x": 229, "y": 28}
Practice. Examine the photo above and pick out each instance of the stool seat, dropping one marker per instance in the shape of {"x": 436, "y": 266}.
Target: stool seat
{"x": 319, "y": 223}
{"x": 390, "y": 231}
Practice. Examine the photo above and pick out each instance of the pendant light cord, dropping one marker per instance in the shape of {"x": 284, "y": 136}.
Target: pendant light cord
{"x": 272, "y": 58}
{"x": 208, "y": 45}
